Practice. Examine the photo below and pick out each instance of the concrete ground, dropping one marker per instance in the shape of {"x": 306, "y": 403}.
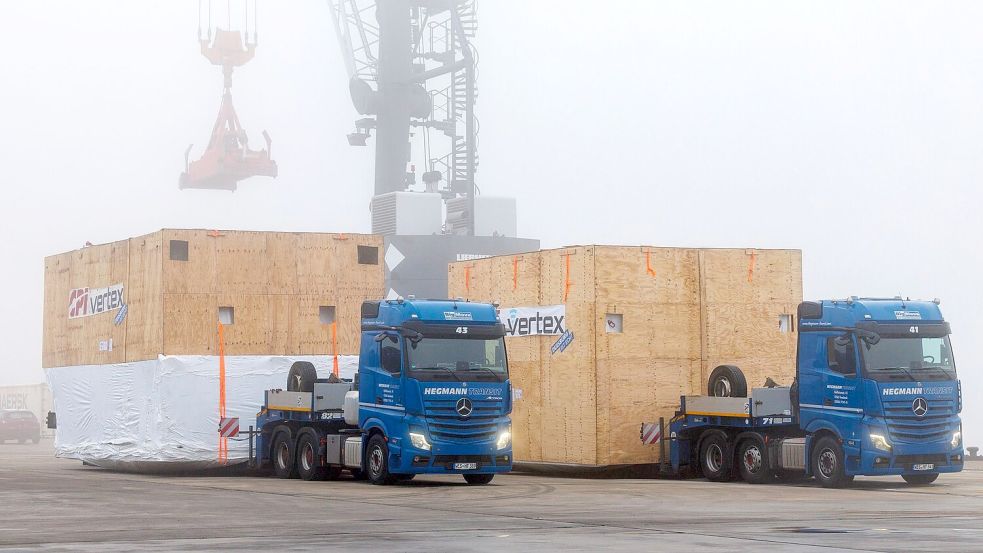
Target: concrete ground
{"x": 58, "y": 505}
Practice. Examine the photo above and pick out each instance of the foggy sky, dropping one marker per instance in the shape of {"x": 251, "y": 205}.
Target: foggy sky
{"x": 850, "y": 130}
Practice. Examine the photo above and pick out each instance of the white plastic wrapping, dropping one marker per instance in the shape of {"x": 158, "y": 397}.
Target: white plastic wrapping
{"x": 160, "y": 414}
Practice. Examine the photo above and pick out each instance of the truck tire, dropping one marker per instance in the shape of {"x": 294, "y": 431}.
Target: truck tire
{"x": 478, "y": 479}
{"x": 714, "y": 459}
{"x": 377, "y": 461}
{"x": 727, "y": 381}
{"x": 827, "y": 463}
{"x": 283, "y": 457}
{"x": 308, "y": 464}
{"x": 301, "y": 377}
{"x": 752, "y": 462}
{"x": 920, "y": 479}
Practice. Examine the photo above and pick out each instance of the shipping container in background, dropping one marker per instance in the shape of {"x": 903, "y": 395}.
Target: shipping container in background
{"x": 640, "y": 327}
{"x": 35, "y": 398}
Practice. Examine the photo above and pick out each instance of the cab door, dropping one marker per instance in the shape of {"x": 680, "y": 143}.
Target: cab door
{"x": 381, "y": 368}
{"x": 829, "y": 382}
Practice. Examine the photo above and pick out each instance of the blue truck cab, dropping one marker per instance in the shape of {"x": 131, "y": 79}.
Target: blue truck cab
{"x": 879, "y": 377}
{"x": 431, "y": 396}
{"x": 876, "y": 393}
{"x": 434, "y": 391}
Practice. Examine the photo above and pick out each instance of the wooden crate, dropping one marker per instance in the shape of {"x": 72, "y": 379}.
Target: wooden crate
{"x": 276, "y": 283}
{"x": 684, "y": 311}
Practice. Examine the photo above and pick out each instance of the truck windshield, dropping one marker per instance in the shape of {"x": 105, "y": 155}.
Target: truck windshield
{"x": 441, "y": 359}
{"x": 909, "y": 358}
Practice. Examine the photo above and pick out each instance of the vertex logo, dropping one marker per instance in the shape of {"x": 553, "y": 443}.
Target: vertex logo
{"x": 445, "y": 391}
{"x": 78, "y": 303}
{"x": 528, "y": 324}
{"x": 83, "y": 302}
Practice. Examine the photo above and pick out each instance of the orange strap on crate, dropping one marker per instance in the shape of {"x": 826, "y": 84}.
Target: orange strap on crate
{"x": 648, "y": 264}
{"x": 334, "y": 346}
{"x": 223, "y": 443}
{"x": 750, "y": 266}
{"x": 467, "y": 279}
{"x": 567, "y": 283}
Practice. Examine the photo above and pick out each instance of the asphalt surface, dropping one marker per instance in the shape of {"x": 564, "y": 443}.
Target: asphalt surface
{"x": 53, "y": 504}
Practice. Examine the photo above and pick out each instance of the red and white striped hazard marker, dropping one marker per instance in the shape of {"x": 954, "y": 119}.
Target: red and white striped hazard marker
{"x": 651, "y": 433}
{"x": 228, "y": 427}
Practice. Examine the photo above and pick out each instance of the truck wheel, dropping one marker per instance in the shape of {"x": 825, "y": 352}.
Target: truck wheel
{"x": 727, "y": 381}
{"x": 920, "y": 479}
{"x": 301, "y": 377}
{"x": 283, "y": 457}
{"x": 714, "y": 460}
{"x": 308, "y": 465}
{"x": 377, "y": 461}
{"x": 752, "y": 462}
{"x": 827, "y": 463}
{"x": 478, "y": 479}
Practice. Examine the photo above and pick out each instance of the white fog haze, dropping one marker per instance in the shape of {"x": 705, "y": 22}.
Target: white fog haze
{"x": 850, "y": 130}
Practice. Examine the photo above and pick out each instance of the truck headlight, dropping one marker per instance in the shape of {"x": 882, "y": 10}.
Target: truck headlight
{"x": 880, "y": 442}
{"x": 957, "y": 437}
{"x": 504, "y": 438}
{"x": 419, "y": 441}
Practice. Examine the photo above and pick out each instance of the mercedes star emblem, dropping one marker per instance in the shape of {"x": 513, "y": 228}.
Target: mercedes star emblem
{"x": 464, "y": 407}
{"x": 919, "y": 406}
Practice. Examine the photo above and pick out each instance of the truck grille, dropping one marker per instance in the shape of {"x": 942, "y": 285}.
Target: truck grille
{"x": 446, "y": 425}
{"x": 904, "y": 426}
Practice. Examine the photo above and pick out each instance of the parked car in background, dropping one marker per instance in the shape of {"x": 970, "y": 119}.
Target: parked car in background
{"x": 19, "y": 425}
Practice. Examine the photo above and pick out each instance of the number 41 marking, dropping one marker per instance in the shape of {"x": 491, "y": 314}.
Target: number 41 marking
{"x": 913, "y": 330}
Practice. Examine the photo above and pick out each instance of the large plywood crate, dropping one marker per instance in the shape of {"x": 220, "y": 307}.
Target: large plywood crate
{"x": 284, "y": 290}
{"x": 682, "y": 313}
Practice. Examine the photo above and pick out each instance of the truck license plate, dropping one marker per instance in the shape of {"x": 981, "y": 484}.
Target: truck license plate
{"x": 472, "y": 466}
{"x": 924, "y": 466}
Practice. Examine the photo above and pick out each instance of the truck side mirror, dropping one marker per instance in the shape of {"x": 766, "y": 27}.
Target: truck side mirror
{"x": 51, "y": 421}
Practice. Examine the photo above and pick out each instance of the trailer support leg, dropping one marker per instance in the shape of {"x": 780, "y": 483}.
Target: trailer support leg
{"x": 252, "y": 461}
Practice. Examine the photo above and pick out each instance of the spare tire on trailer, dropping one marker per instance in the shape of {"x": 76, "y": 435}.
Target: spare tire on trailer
{"x": 727, "y": 381}
{"x": 301, "y": 377}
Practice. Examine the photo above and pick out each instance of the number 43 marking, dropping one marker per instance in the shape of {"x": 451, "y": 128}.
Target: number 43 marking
{"x": 462, "y": 330}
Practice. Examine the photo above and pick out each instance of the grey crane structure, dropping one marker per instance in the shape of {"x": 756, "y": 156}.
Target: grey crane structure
{"x": 412, "y": 72}
{"x": 394, "y": 50}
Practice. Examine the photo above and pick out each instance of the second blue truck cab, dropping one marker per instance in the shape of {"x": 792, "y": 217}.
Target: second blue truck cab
{"x": 876, "y": 393}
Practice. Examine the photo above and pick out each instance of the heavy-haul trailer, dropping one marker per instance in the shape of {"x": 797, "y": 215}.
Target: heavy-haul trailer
{"x": 432, "y": 396}
{"x": 876, "y": 393}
